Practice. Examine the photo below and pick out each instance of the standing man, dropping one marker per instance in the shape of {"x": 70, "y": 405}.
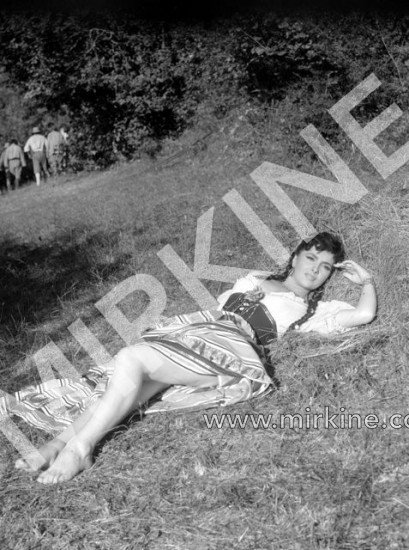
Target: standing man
{"x": 36, "y": 147}
{"x": 4, "y": 184}
{"x": 14, "y": 161}
{"x": 55, "y": 151}
{"x": 65, "y": 156}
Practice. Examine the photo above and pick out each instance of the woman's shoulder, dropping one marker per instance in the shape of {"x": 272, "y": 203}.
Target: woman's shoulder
{"x": 252, "y": 279}
{"x": 261, "y": 278}
{"x": 259, "y": 275}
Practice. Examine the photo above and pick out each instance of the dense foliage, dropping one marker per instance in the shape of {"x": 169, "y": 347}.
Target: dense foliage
{"x": 124, "y": 83}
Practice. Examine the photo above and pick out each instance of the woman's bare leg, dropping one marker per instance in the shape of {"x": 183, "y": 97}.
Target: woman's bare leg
{"x": 45, "y": 455}
{"x": 140, "y": 372}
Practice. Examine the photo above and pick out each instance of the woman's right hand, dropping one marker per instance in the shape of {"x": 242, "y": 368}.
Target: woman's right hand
{"x": 354, "y": 272}
{"x": 365, "y": 310}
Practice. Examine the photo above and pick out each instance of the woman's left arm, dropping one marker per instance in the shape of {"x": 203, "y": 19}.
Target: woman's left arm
{"x": 365, "y": 310}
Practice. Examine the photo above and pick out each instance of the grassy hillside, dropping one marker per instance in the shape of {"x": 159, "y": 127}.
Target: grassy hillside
{"x": 168, "y": 481}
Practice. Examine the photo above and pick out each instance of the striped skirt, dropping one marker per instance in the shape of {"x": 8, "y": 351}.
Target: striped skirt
{"x": 213, "y": 342}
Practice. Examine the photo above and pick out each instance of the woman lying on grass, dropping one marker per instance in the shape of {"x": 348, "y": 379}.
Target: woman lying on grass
{"x": 212, "y": 357}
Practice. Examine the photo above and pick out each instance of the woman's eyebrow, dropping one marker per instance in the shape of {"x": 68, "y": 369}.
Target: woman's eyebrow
{"x": 324, "y": 261}
{"x": 328, "y": 264}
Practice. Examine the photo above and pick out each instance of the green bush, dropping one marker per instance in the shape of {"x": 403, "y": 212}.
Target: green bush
{"x": 120, "y": 81}
{"x": 124, "y": 83}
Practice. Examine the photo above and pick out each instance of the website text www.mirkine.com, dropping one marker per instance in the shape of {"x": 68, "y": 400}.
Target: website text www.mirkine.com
{"x": 327, "y": 419}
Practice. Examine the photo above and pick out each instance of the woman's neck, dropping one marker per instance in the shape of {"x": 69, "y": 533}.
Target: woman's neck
{"x": 298, "y": 290}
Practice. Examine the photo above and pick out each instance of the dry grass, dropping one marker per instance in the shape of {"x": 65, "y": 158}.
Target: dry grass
{"x": 167, "y": 482}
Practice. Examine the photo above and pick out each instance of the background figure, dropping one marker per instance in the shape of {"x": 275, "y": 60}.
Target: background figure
{"x": 36, "y": 147}
{"x": 14, "y": 161}
{"x": 64, "y": 133}
{"x": 55, "y": 151}
{"x": 4, "y": 182}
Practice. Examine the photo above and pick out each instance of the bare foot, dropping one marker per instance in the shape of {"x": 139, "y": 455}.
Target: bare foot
{"x": 41, "y": 458}
{"x": 73, "y": 459}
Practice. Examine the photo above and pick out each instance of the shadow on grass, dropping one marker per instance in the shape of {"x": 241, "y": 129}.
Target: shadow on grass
{"x": 34, "y": 280}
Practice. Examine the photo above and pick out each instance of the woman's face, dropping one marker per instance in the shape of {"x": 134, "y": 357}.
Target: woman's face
{"x": 312, "y": 268}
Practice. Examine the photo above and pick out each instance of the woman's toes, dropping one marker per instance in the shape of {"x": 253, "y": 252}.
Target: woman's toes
{"x": 67, "y": 465}
{"x": 21, "y": 464}
{"x": 31, "y": 462}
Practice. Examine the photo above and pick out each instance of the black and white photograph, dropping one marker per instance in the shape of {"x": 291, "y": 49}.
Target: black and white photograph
{"x": 204, "y": 286}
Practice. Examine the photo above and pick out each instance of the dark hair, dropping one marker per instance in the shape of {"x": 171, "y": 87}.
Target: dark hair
{"x": 323, "y": 242}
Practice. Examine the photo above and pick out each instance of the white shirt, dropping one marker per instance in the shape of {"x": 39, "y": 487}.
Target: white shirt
{"x": 287, "y": 307}
{"x": 36, "y": 143}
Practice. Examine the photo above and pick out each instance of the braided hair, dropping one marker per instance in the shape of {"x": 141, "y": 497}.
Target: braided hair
{"x": 323, "y": 242}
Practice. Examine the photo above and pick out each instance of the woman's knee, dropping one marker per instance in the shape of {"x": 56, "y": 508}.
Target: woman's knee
{"x": 139, "y": 357}
{"x": 127, "y": 360}
{"x": 125, "y": 355}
